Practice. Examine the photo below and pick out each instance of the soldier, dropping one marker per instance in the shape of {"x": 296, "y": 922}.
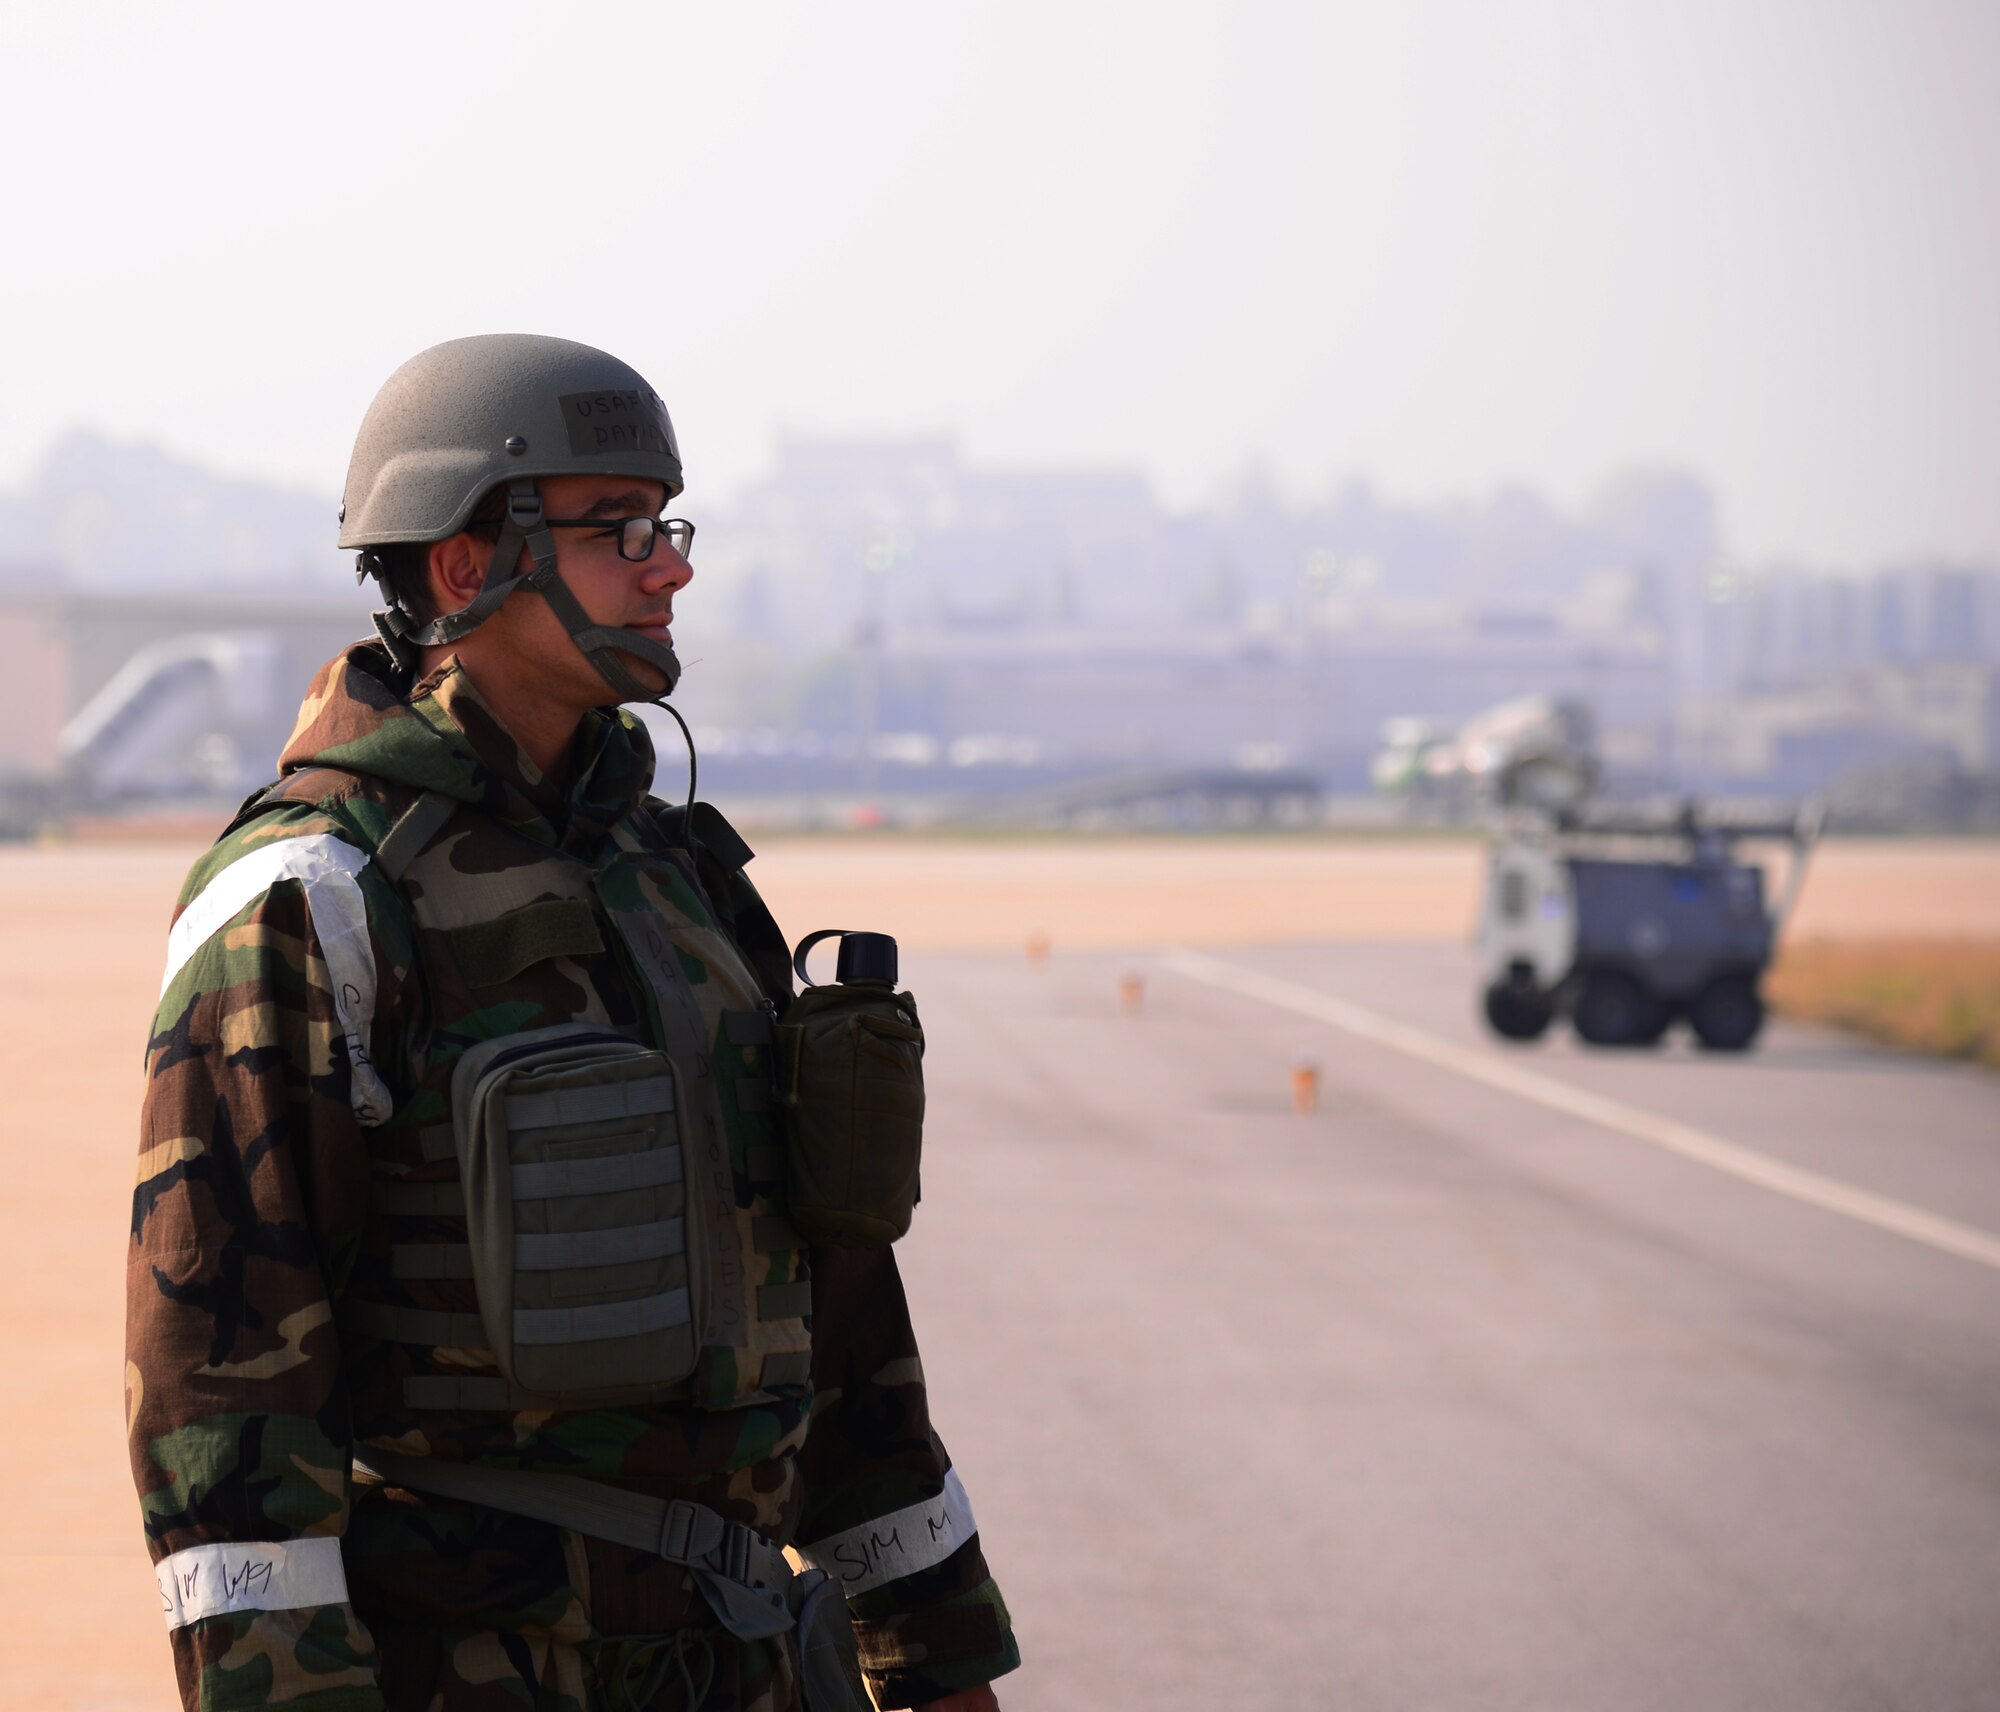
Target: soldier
{"x": 473, "y": 1338}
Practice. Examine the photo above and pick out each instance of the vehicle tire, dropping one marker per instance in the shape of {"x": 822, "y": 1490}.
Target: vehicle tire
{"x": 1727, "y": 1014}
{"x": 1612, "y": 1009}
{"x": 1515, "y": 1015}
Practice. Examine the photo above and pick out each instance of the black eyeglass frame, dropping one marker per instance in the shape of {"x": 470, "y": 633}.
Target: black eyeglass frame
{"x": 678, "y": 531}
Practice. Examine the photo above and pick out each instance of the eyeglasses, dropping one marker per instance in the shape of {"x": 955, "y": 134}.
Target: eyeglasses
{"x": 636, "y": 535}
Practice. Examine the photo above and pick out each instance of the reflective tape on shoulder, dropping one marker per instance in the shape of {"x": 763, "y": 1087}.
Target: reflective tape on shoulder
{"x": 899, "y": 1544}
{"x": 253, "y": 1575}
{"x": 325, "y": 867}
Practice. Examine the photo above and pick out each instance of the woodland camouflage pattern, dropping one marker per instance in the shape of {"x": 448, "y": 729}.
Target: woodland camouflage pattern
{"x": 252, "y": 1222}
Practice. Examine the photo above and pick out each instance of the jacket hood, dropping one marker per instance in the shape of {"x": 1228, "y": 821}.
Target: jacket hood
{"x": 364, "y": 715}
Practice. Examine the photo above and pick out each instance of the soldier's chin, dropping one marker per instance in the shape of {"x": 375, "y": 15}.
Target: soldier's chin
{"x": 652, "y": 677}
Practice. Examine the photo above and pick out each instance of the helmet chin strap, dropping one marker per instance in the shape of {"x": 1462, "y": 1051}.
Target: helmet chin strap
{"x": 603, "y": 645}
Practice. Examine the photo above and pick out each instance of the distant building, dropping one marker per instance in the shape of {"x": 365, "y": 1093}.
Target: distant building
{"x": 884, "y": 611}
{"x": 1807, "y": 738}
{"x": 36, "y": 693}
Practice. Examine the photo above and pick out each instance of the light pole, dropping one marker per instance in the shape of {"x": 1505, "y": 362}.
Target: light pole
{"x": 885, "y": 545}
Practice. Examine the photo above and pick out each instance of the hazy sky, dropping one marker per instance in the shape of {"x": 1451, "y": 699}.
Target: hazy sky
{"x": 1443, "y": 246}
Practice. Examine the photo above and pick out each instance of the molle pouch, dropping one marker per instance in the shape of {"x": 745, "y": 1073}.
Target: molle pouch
{"x": 590, "y": 1248}
{"x": 851, "y": 1074}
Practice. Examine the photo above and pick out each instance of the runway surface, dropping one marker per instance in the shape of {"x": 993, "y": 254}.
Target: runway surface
{"x": 1444, "y": 1396}
{"x": 1447, "y": 1396}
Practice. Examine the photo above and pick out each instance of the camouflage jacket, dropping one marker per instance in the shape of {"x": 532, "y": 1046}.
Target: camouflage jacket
{"x": 292, "y": 1073}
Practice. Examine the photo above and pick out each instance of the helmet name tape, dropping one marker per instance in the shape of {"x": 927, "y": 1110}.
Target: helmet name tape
{"x": 622, "y": 421}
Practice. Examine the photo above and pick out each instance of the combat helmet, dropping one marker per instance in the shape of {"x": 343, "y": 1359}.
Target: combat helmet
{"x": 470, "y": 415}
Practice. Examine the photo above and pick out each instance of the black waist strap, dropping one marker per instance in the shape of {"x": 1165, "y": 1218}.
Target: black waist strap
{"x": 745, "y": 1578}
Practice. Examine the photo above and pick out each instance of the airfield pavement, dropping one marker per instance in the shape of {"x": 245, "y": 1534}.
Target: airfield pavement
{"x": 1503, "y": 1379}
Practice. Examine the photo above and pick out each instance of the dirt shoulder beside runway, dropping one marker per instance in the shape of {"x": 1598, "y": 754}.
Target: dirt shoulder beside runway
{"x": 1930, "y": 995}
{"x": 991, "y": 895}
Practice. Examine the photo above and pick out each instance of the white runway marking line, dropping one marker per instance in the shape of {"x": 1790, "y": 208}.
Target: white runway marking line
{"x": 1827, "y": 1193}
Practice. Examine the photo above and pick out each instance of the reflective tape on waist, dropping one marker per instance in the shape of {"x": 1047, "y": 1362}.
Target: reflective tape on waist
{"x": 596, "y": 1104}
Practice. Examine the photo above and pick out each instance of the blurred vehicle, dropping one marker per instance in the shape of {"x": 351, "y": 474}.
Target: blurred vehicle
{"x": 1534, "y": 750}
{"x": 1409, "y": 746}
{"x": 1622, "y": 919}
{"x": 1626, "y": 922}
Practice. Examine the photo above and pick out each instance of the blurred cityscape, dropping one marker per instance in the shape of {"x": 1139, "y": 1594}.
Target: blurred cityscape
{"x": 884, "y": 630}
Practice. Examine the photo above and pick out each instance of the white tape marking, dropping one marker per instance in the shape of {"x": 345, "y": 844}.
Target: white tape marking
{"x": 256, "y": 1575}
{"x": 899, "y": 1544}
{"x": 1827, "y": 1193}
{"x": 325, "y": 867}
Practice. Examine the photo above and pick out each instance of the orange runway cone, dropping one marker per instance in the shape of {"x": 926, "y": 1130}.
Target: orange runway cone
{"x": 1305, "y": 1086}
{"x": 1038, "y": 948}
{"x": 1131, "y": 994}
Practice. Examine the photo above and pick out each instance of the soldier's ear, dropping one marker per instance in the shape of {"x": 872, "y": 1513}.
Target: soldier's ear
{"x": 457, "y": 569}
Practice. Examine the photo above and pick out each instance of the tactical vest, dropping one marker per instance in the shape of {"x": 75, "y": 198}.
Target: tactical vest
{"x": 569, "y": 1207}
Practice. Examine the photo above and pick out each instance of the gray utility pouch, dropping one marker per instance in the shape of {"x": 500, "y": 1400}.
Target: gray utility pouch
{"x": 590, "y": 1253}
{"x": 851, "y": 1075}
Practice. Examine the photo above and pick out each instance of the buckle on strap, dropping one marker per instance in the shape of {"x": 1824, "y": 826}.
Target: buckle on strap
{"x": 524, "y": 506}
{"x": 689, "y": 1532}
{"x": 732, "y": 1556}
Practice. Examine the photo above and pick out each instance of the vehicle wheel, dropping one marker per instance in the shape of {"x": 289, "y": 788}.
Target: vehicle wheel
{"x": 1614, "y": 1010}
{"x": 1515, "y": 1015}
{"x": 1653, "y": 1027}
{"x": 1727, "y": 1014}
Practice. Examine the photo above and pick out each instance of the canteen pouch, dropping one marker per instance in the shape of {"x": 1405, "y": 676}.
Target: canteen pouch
{"x": 850, "y": 1069}
{"x": 590, "y": 1254}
